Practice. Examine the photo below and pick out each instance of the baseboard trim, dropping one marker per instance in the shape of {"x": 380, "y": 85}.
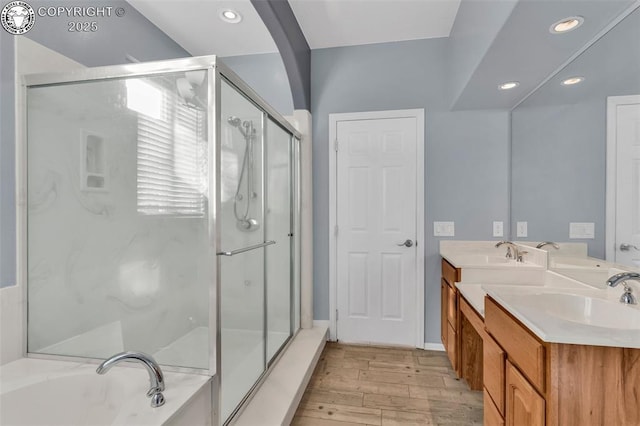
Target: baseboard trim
{"x": 434, "y": 347}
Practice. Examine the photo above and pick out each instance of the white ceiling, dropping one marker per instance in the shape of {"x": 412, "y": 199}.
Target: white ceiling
{"x": 333, "y": 23}
{"x": 195, "y": 25}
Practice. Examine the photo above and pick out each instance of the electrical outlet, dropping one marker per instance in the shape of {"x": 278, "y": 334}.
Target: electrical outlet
{"x": 498, "y": 229}
{"x": 443, "y": 229}
{"x": 521, "y": 229}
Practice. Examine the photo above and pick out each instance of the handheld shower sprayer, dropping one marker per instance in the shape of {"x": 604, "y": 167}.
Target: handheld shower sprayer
{"x": 243, "y": 221}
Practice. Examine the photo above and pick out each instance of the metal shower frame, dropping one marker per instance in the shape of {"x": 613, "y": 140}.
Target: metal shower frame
{"x": 216, "y": 73}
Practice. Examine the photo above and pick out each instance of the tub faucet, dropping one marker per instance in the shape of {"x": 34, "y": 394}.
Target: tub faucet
{"x": 548, "y": 243}
{"x": 512, "y": 251}
{"x": 627, "y": 298}
{"x": 156, "y": 379}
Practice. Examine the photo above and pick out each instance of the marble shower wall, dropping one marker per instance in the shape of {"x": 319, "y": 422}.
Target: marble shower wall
{"x": 94, "y": 262}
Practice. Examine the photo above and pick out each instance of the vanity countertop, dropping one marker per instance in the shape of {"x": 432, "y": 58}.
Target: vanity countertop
{"x": 558, "y": 308}
{"x": 484, "y": 255}
{"x": 571, "y": 315}
{"x": 585, "y": 316}
{"x": 474, "y": 293}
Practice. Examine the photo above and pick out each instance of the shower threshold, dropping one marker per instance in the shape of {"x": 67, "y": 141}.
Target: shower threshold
{"x": 277, "y": 398}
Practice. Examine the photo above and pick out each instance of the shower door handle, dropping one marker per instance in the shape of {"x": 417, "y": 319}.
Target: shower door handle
{"x": 245, "y": 249}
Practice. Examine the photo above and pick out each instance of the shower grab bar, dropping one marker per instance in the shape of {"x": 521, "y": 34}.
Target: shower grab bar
{"x": 242, "y": 250}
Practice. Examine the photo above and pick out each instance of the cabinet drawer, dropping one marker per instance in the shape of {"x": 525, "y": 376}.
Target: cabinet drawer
{"x": 493, "y": 371}
{"x": 449, "y": 273}
{"x": 452, "y": 347}
{"x": 524, "y": 350}
{"x": 492, "y": 416}
{"x": 524, "y": 405}
{"x": 452, "y": 307}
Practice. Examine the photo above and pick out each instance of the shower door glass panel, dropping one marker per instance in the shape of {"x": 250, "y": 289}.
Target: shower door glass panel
{"x": 242, "y": 280}
{"x": 278, "y": 228}
{"x": 117, "y": 223}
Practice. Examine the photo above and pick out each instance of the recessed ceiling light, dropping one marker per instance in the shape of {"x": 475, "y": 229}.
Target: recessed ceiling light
{"x": 566, "y": 24}
{"x": 508, "y": 85}
{"x": 573, "y": 80}
{"x": 230, "y": 16}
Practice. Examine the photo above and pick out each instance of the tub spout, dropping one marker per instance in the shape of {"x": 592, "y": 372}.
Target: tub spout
{"x": 156, "y": 378}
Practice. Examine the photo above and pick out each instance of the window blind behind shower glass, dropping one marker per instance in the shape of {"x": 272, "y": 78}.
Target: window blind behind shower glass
{"x": 171, "y": 158}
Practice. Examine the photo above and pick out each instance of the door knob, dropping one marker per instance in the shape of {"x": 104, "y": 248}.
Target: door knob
{"x": 407, "y": 243}
{"x": 627, "y": 247}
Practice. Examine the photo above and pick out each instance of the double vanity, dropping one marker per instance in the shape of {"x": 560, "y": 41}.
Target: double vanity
{"x": 545, "y": 348}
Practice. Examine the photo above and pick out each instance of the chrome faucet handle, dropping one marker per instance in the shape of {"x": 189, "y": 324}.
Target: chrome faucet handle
{"x": 512, "y": 249}
{"x": 627, "y": 297}
{"x": 521, "y": 254}
{"x": 509, "y": 254}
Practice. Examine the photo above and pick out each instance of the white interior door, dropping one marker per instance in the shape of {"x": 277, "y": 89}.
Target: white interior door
{"x": 376, "y": 214}
{"x": 627, "y": 229}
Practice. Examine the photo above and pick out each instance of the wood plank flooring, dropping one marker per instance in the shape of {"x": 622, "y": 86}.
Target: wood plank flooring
{"x": 369, "y": 385}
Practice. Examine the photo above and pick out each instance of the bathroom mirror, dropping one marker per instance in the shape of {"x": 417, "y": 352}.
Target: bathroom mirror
{"x": 559, "y": 142}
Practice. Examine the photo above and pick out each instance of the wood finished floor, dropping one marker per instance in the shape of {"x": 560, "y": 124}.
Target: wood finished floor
{"x": 370, "y": 385}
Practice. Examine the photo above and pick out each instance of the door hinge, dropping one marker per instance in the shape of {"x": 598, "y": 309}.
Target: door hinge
{"x": 337, "y": 315}
{"x": 335, "y": 145}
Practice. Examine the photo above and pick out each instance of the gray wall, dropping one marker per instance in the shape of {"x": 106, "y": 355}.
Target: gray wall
{"x": 116, "y": 37}
{"x": 265, "y": 73}
{"x": 467, "y": 153}
{"x": 558, "y": 176}
{"x": 7, "y": 153}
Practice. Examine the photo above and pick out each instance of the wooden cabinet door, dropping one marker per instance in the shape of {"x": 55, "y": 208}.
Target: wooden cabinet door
{"x": 444, "y": 292}
{"x": 525, "y": 407}
{"x": 492, "y": 416}
{"x": 452, "y": 348}
{"x": 493, "y": 371}
{"x": 452, "y": 309}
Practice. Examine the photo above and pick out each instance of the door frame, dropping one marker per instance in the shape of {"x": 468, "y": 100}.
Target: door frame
{"x": 334, "y": 119}
{"x": 610, "y": 215}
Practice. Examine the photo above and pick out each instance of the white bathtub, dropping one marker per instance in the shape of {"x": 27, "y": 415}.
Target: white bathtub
{"x": 44, "y": 392}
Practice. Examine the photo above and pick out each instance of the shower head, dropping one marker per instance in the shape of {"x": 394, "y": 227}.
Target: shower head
{"x": 234, "y": 121}
{"x": 188, "y": 94}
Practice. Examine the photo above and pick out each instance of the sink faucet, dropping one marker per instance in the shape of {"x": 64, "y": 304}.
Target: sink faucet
{"x": 548, "y": 243}
{"x": 156, "y": 379}
{"x": 512, "y": 251}
{"x": 627, "y": 298}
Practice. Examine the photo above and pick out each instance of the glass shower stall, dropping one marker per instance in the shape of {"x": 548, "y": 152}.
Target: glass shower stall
{"x": 161, "y": 214}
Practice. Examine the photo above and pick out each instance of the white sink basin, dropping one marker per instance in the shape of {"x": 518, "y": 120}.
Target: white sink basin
{"x": 584, "y": 310}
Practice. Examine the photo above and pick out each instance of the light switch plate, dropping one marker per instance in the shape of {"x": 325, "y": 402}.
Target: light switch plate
{"x": 583, "y": 230}
{"x": 521, "y": 229}
{"x": 443, "y": 229}
{"x": 498, "y": 229}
